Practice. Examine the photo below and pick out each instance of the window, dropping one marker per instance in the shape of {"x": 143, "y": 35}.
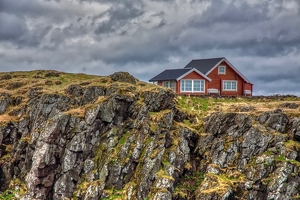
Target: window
{"x": 230, "y": 85}
{"x": 186, "y": 85}
{"x": 222, "y": 70}
{"x": 192, "y": 85}
{"x": 169, "y": 84}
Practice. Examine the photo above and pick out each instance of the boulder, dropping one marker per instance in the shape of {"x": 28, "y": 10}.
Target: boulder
{"x": 123, "y": 77}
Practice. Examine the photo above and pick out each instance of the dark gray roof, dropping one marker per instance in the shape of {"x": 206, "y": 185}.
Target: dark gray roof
{"x": 203, "y": 65}
{"x": 169, "y": 74}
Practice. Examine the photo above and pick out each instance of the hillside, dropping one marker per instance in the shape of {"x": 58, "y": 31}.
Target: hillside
{"x": 78, "y": 136}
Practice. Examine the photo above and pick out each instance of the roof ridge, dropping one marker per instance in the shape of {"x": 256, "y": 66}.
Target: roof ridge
{"x": 209, "y": 58}
{"x": 174, "y": 69}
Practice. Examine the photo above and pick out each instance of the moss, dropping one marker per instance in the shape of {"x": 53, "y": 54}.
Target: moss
{"x": 222, "y": 183}
{"x": 188, "y": 184}
{"x": 187, "y": 122}
{"x": 6, "y": 158}
{"x": 266, "y": 181}
{"x": 114, "y": 194}
{"x": 122, "y": 140}
{"x": 153, "y": 126}
{"x": 148, "y": 141}
{"x": 268, "y": 153}
{"x": 280, "y": 158}
{"x": 7, "y": 195}
{"x": 292, "y": 145}
{"x": 17, "y": 189}
{"x": 295, "y": 162}
{"x": 83, "y": 186}
{"x": 163, "y": 174}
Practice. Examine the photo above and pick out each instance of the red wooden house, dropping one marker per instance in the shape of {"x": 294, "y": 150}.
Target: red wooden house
{"x": 205, "y": 77}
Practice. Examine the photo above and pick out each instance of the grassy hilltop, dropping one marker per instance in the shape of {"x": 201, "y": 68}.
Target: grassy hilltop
{"x": 115, "y": 137}
{"x": 19, "y": 84}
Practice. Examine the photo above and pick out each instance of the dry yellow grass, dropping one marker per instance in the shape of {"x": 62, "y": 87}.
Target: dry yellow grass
{"x": 260, "y": 107}
{"x": 18, "y": 84}
{"x": 79, "y": 112}
{"x": 6, "y": 118}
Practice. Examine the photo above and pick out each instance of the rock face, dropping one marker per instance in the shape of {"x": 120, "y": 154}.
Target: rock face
{"x": 133, "y": 145}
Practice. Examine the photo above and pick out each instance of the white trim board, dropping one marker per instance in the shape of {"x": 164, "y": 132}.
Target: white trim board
{"x": 237, "y": 71}
{"x": 193, "y": 70}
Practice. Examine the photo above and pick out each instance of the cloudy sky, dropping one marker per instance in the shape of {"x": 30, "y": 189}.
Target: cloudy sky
{"x": 261, "y": 38}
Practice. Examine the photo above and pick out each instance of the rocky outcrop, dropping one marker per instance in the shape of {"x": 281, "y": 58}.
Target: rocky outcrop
{"x": 117, "y": 142}
{"x": 244, "y": 159}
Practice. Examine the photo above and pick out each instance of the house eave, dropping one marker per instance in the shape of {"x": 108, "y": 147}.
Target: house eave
{"x": 234, "y": 69}
{"x": 195, "y": 70}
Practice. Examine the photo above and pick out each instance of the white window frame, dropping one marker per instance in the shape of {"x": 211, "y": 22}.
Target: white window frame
{"x": 222, "y": 66}
{"x": 192, "y": 91}
{"x": 231, "y": 81}
{"x": 168, "y": 84}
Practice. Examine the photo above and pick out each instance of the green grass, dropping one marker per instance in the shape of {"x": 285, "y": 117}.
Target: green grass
{"x": 122, "y": 140}
{"x": 7, "y": 195}
{"x": 280, "y": 158}
{"x": 194, "y": 103}
{"x": 189, "y": 183}
{"x": 195, "y": 107}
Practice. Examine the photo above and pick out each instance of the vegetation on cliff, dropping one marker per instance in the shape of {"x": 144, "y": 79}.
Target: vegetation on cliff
{"x": 78, "y": 136}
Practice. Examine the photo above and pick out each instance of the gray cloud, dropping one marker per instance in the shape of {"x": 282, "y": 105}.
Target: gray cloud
{"x": 144, "y": 37}
{"x": 12, "y": 27}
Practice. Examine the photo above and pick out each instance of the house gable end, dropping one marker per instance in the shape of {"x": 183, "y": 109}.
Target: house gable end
{"x": 230, "y": 65}
{"x": 196, "y": 71}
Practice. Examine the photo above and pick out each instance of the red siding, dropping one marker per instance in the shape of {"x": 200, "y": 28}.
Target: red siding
{"x": 248, "y": 86}
{"x": 217, "y": 79}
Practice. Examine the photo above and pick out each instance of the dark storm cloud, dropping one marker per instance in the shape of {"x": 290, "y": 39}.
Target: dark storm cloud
{"x": 245, "y": 29}
{"x": 12, "y": 27}
{"x": 119, "y": 16}
{"x": 261, "y": 38}
{"x": 221, "y": 12}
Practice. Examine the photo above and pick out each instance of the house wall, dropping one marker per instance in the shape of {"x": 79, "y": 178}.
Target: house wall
{"x": 248, "y": 86}
{"x": 176, "y": 87}
{"x": 230, "y": 75}
{"x": 193, "y": 75}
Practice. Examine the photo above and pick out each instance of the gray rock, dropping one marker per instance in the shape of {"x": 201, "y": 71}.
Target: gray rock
{"x": 158, "y": 99}
{"x": 4, "y": 103}
{"x": 289, "y": 105}
{"x": 295, "y": 129}
{"x": 163, "y": 196}
{"x": 91, "y": 94}
{"x": 74, "y": 90}
{"x": 64, "y": 187}
{"x": 123, "y": 77}
{"x": 275, "y": 119}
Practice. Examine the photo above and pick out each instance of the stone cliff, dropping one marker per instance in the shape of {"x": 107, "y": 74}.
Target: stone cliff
{"x": 67, "y": 136}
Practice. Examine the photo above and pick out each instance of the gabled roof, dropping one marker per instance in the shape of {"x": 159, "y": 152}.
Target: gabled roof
{"x": 169, "y": 75}
{"x": 204, "y": 65}
{"x": 208, "y": 65}
{"x": 176, "y": 74}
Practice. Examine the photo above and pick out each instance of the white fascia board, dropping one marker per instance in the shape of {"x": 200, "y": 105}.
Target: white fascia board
{"x": 194, "y": 70}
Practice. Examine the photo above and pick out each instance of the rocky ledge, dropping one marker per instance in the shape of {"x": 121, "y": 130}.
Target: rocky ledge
{"x": 123, "y": 141}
